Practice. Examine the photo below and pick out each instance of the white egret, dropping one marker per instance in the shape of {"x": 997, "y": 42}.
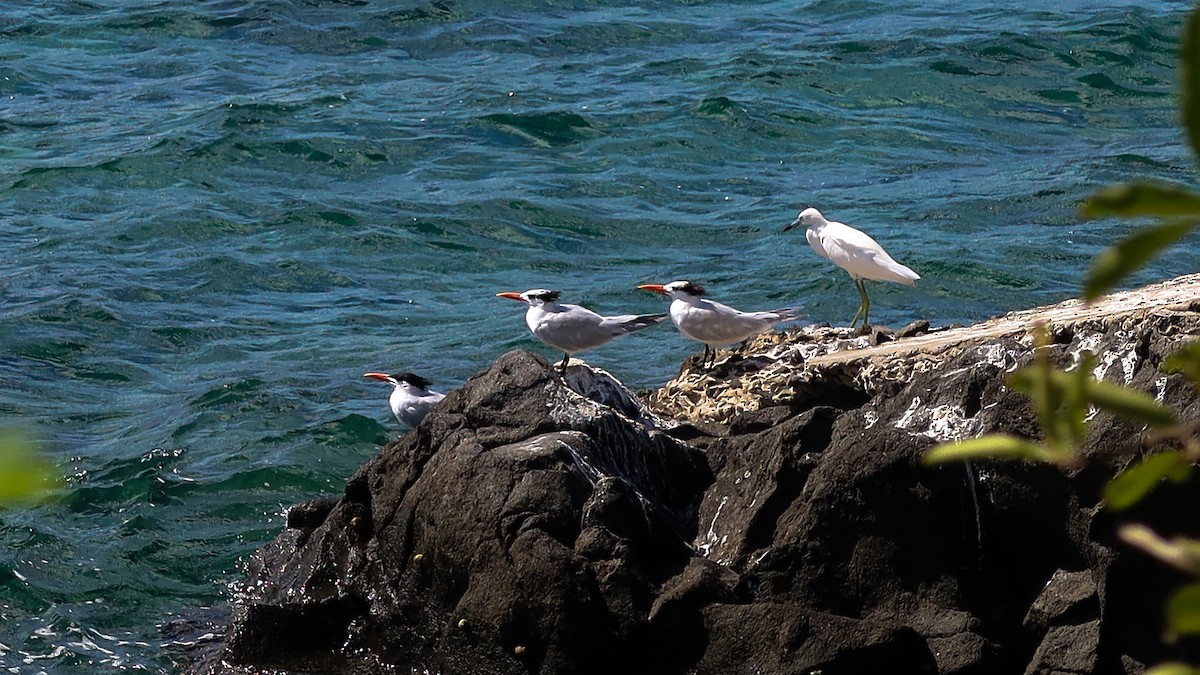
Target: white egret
{"x": 855, "y": 252}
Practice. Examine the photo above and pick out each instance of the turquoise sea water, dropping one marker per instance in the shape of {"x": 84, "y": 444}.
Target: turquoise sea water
{"x": 217, "y": 216}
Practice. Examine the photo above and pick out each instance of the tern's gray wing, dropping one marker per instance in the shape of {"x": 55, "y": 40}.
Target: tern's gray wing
{"x": 627, "y": 323}
{"x": 573, "y": 329}
{"x": 714, "y": 323}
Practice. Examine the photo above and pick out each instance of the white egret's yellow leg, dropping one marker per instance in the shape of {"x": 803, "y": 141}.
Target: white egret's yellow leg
{"x": 862, "y": 290}
{"x": 863, "y": 304}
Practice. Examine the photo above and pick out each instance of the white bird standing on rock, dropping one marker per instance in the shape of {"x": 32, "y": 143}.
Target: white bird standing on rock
{"x": 571, "y": 328}
{"x": 411, "y": 398}
{"x": 855, "y": 252}
{"x": 711, "y": 322}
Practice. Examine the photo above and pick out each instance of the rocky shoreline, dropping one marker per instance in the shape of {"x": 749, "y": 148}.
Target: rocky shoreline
{"x": 771, "y": 516}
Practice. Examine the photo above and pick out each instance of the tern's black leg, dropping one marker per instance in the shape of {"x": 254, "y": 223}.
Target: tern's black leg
{"x": 562, "y": 367}
{"x": 705, "y": 363}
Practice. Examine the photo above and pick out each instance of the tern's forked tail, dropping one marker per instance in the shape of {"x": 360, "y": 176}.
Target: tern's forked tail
{"x": 789, "y": 313}
{"x": 632, "y": 323}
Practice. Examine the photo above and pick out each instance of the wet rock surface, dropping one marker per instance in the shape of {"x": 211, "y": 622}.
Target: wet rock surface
{"x": 769, "y": 516}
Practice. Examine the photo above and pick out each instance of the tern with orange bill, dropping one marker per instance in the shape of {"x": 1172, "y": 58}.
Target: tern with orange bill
{"x": 571, "y": 328}
{"x": 711, "y": 322}
{"x": 411, "y": 397}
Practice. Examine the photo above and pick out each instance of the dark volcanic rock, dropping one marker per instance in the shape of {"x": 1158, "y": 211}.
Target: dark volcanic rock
{"x": 521, "y": 528}
{"x": 534, "y": 524}
{"x": 919, "y": 327}
{"x": 1068, "y": 649}
{"x": 1067, "y": 594}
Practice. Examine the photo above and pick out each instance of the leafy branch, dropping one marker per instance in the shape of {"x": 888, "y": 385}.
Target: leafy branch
{"x": 1062, "y": 399}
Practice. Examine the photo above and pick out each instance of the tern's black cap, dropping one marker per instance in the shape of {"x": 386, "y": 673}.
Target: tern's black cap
{"x": 413, "y": 379}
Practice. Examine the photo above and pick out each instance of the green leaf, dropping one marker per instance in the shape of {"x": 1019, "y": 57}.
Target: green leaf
{"x": 1129, "y": 404}
{"x": 1076, "y": 385}
{"x": 1024, "y": 380}
{"x": 1048, "y": 396}
{"x": 1186, "y": 361}
{"x": 1058, "y": 401}
{"x": 24, "y": 475}
{"x": 1077, "y": 389}
{"x": 1142, "y": 200}
{"x": 1173, "y": 669}
{"x": 1189, "y": 79}
{"x": 1126, "y": 256}
{"x": 1134, "y": 482}
{"x": 1183, "y": 612}
{"x": 993, "y": 446}
{"x": 1181, "y": 552}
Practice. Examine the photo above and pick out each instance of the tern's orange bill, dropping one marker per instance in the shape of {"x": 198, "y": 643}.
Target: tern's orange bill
{"x": 511, "y": 296}
{"x": 656, "y": 288}
{"x": 383, "y": 377}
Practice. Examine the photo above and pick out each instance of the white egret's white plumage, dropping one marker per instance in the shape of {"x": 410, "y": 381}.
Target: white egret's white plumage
{"x": 411, "y": 397}
{"x": 711, "y": 322}
{"x": 853, "y": 251}
{"x": 571, "y": 328}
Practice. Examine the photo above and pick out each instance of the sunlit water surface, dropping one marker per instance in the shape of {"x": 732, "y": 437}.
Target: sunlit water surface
{"x": 218, "y": 215}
